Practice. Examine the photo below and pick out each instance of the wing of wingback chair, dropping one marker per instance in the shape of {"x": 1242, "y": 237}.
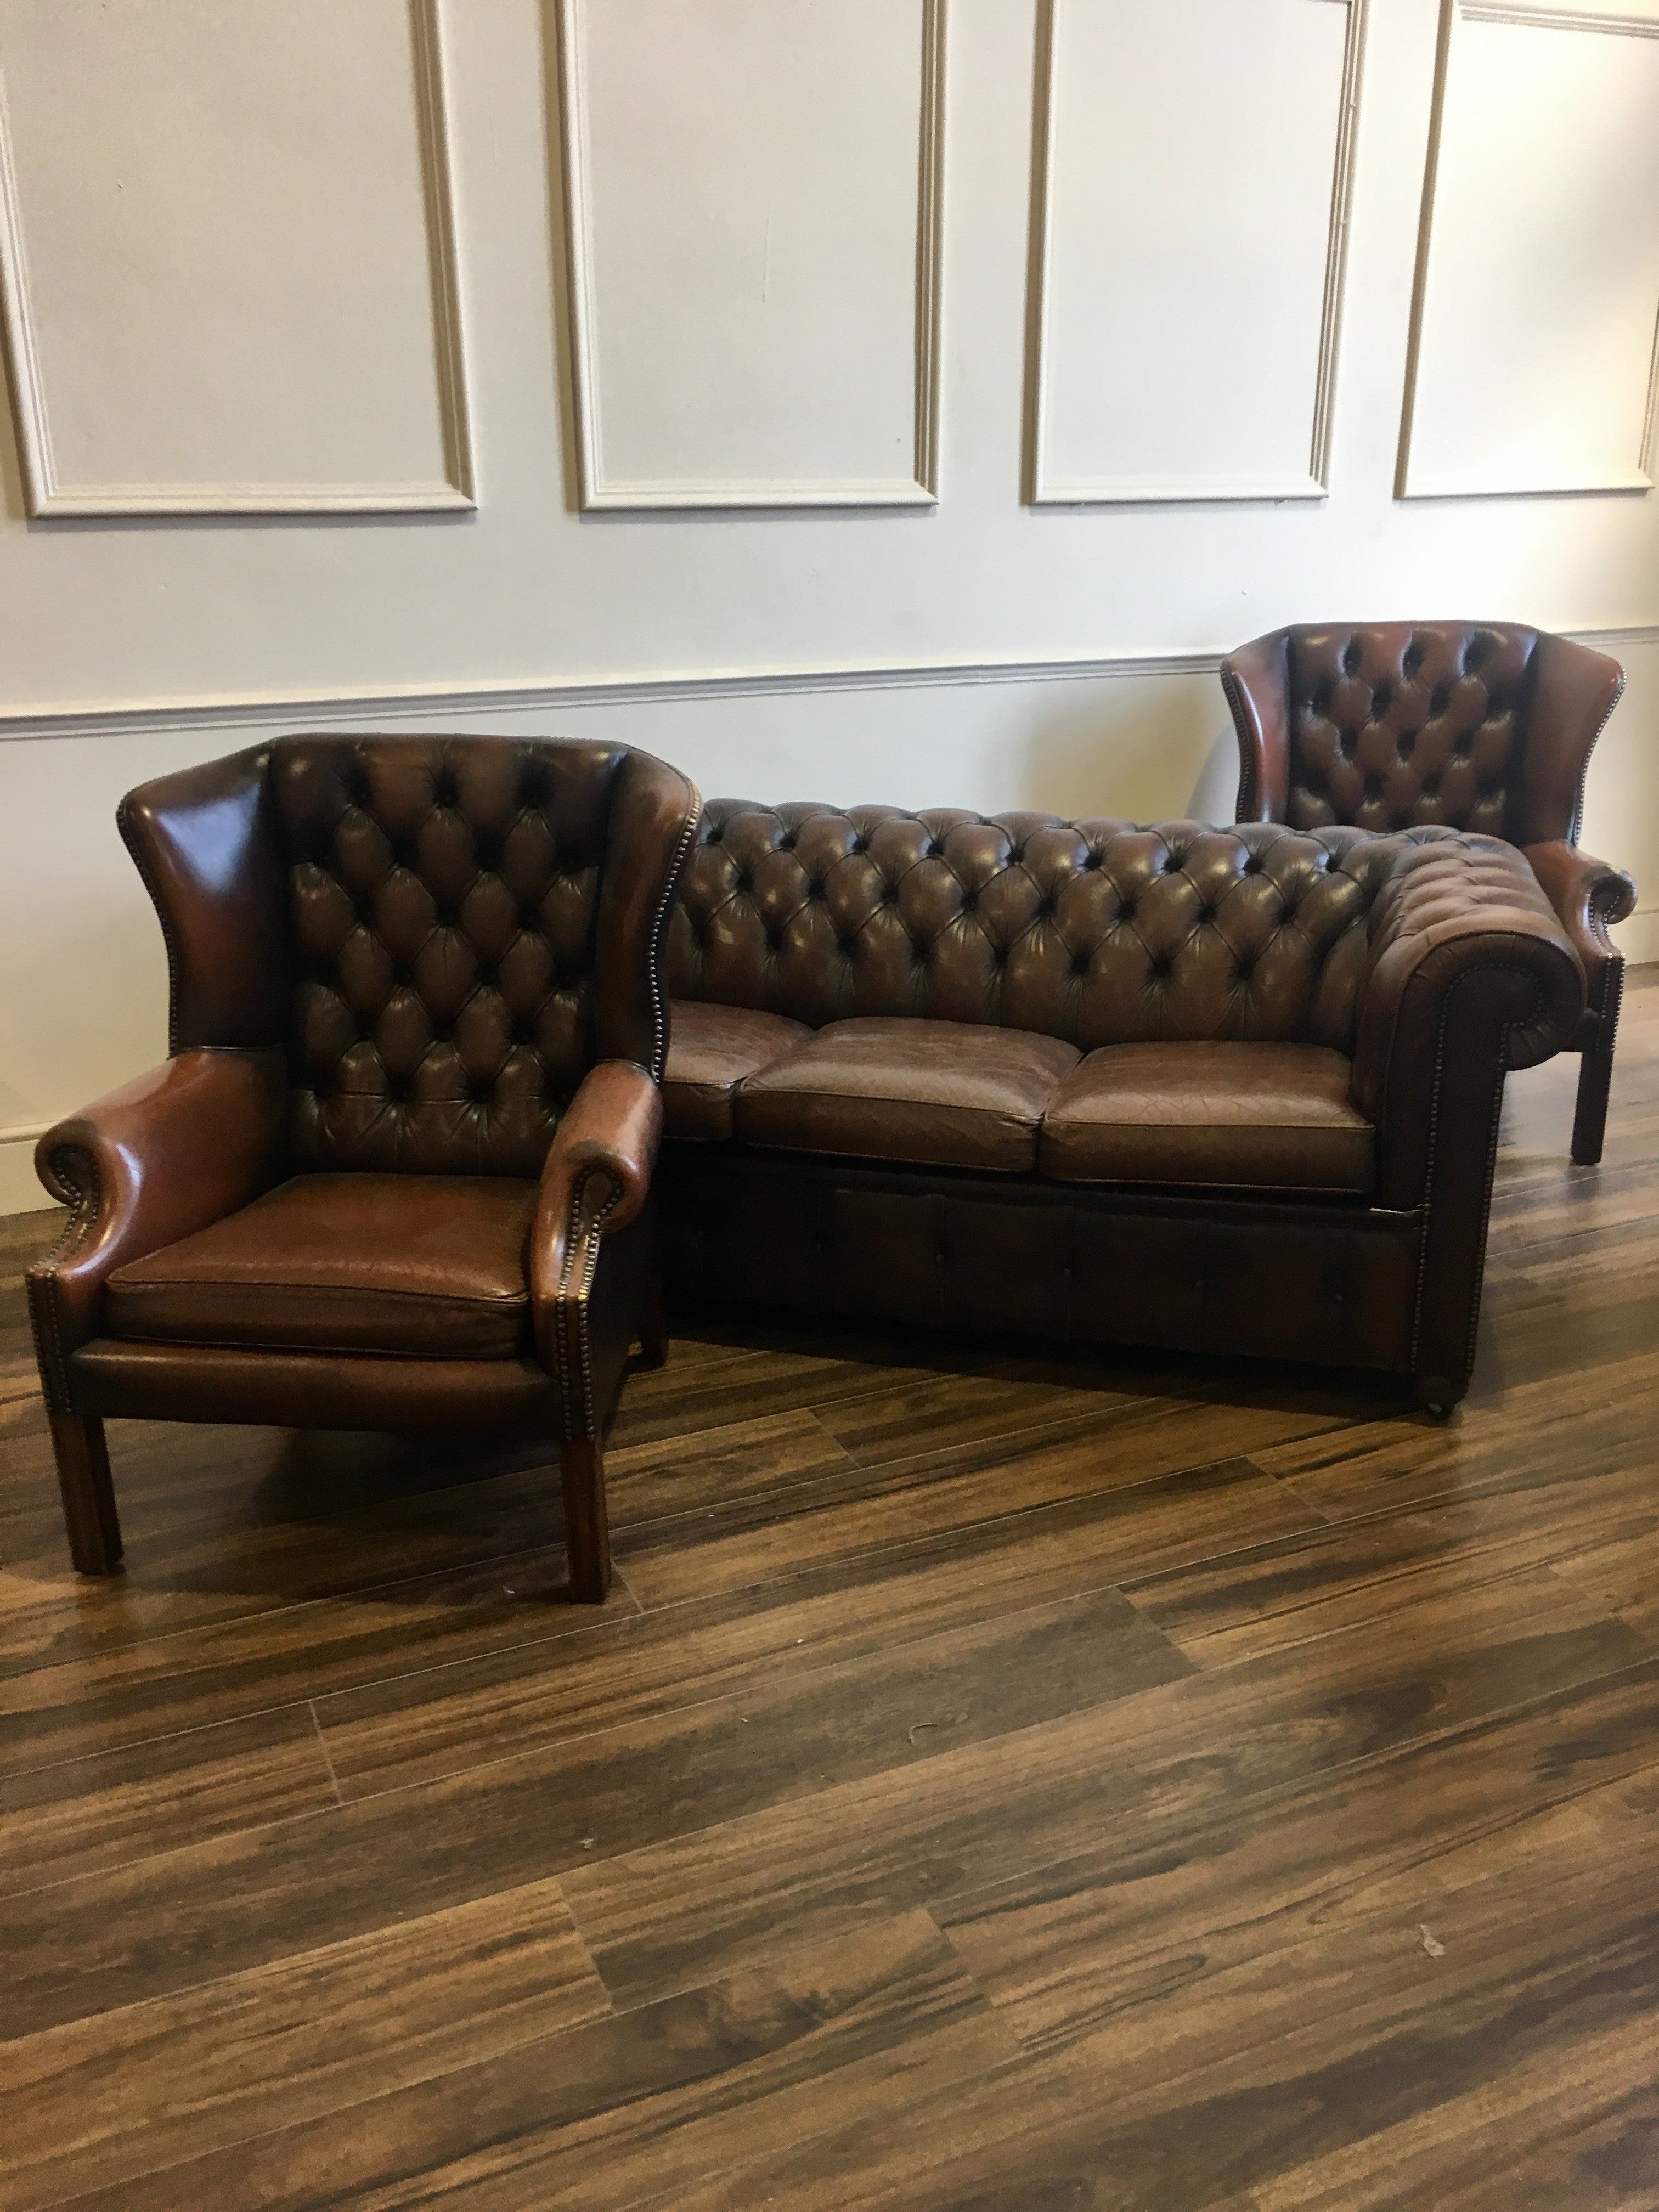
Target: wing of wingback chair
{"x": 397, "y": 1170}
{"x": 1477, "y": 726}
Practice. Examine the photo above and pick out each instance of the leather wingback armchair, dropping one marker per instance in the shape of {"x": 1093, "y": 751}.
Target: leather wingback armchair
{"x": 1482, "y": 727}
{"x": 397, "y": 1170}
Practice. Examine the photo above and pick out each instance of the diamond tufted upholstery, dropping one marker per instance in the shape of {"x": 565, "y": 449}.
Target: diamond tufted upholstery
{"x": 445, "y": 905}
{"x": 1395, "y": 728}
{"x": 397, "y": 1170}
{"x": 1483, "y": 726}
{"x": 1098, "y": 932}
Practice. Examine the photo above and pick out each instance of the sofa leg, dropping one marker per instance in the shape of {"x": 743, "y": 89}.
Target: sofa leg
{"x": 653, "y": 1331}
{"x": 586, "y": 1529}
{"x": 1589, "y": 1121}
{"x": 88, "y": 1494}
{"x": 1437, "y": 1394}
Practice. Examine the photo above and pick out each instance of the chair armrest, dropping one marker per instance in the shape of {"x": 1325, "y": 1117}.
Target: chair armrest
{"x": 1589, "y": 898}
{"x": 178, "y": 1148}
{"x": 597, "y": 1177}
{"x": 1470, "y": 974}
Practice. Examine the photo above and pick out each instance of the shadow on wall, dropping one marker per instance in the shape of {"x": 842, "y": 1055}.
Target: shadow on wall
{"x": 1154, "y": 756}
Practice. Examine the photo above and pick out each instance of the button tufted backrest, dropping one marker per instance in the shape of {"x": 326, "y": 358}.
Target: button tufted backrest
{"x": 1098, "y": 931}
{"x": 1394, "y": 725}
{"x": 445, "y": 895}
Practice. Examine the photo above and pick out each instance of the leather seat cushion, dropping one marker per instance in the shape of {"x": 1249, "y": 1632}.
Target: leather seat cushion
{"x": 427, "y": 1265}
{"x": 1254, "y": 1116}
{"x": 711, "y": 1050}
{"x": 940, "y": 1094}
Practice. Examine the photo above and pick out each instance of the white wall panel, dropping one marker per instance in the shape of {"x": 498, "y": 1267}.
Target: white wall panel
{"x": 226, "y": 247}
{"x": 1194, "y": 167}
{"x": 752, "y": 200}
{"x": 1538, "y": 290}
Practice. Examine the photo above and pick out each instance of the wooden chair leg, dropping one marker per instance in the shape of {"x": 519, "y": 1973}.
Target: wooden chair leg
{"x": 653, "y": 1330}
{"x": 1589, "y": 1121}
{"x": 83, "y": 1477}
{"x": 586, "y": 1529}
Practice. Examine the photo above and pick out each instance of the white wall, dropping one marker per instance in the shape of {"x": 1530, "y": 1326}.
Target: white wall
{"x": 1037, "y": 340}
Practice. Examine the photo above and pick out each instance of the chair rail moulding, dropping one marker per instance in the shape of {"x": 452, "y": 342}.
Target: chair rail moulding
{"x": 738, "y": 346}
{"x": 1583, "y": 376}
{"x": 1200, "y": 414}
{"x": 531, "y": 693}
{"x": 50, "y": 491}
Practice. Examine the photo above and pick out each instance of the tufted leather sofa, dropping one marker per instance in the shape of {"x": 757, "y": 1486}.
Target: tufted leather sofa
{"x": 1232, "y": 1090}
{"x": 1483, "y": 726}
{"x": 397, "y": 1170}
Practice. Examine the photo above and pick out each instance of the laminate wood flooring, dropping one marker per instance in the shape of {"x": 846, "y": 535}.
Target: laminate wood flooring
{"x": 1001, "y": 1782}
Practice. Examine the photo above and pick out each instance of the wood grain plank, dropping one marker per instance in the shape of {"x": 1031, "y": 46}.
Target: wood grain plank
{"x": 285, "y": 1655}
{"x": 243, "y": 1899}
{"x": 899, "y": 1502}
{"x": 1306, "y": 1584}
{"x": 1051, "y": 1946}
{"x": 62, "y": 1823}
{"x": 1146, "y": 1770}
{"x": 978, "y": 1583}
{"x": 698, "y": 1469}
{"x": 1203, "y": 2094}
{"x": 633, "y": 2103}
{"x": 98, "y": 2103}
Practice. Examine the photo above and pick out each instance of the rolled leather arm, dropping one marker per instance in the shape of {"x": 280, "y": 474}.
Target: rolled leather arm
{"x": 596, "y": 1177}
{"x": 1461, "y": 937}
{"x": 1588, "y": 895}
{"x": 165, "y": 1154}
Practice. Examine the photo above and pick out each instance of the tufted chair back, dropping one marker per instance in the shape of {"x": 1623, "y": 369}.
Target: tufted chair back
{"x": 443, "y": 933}
{"x": 1483, "y": 726}
{"x": 1098, "y": 931}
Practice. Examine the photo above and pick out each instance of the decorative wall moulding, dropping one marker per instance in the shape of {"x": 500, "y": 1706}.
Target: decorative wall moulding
{"x": 765, "y": 280}
{"x": 1560, "y": 19}
{"x": 1237, "y": 363}
{"x": 437, "y": 391}
{"x": 530, "y": 694}
{"x": 1532, "y": 368}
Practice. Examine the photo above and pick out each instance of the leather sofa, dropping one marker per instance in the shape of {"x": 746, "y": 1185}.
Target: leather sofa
{"x": 1485, "y": 727}
{"x": 396, "y": 1172}
{"x": 1230, "y": 1089}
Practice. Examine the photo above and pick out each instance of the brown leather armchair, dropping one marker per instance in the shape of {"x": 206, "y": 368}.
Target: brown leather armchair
{"x": 397, "y": 1171}
{"x": 1483, "y": 726}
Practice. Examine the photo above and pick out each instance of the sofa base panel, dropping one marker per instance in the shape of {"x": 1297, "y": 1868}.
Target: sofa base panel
{"x": 1331, "y": 1282}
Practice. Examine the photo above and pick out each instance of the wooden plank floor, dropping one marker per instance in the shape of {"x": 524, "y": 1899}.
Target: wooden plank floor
{"x": 1001, "y": 1782}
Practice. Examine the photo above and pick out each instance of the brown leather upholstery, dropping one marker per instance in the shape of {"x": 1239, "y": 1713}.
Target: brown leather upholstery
{"x": 431, "y": 1265}
{"x": 1302, "y": 1279}
{"x": 1255, "y": 1116}
{"x": 944, "y": 1094}
{"x": 1485, "y": 727}
{"x": 1099, "y": 932}
{"x": 419, "y": 1019}
{"x": 1309, "y": 1029}
{"x": 711, "y": 1050}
